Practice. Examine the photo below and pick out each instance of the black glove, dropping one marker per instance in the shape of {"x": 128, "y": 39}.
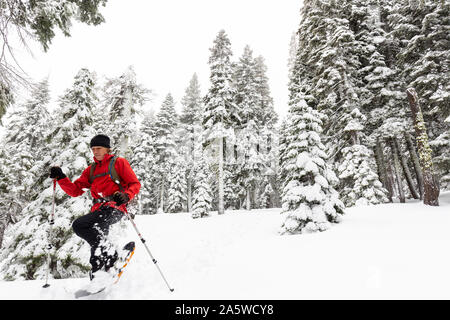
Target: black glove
{"x": 120, "y": 198}
{"x": 56, "y": 173}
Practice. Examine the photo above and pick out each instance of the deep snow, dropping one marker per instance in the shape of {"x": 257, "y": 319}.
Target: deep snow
{"x": 389, "y": 251}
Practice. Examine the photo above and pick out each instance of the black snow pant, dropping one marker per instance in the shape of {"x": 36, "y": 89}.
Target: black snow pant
{"x": 94, "y": 228}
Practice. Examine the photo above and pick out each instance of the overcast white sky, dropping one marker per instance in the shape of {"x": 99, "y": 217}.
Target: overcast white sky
{"x": 167, "y": 41}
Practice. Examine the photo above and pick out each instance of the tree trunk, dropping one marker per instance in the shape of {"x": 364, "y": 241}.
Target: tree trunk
{"x": 255, "y": 199}
{"x": 275, "y": 201}
{"x": 3, "y": 224}
{"x": 401, "y": 194}
{"x": 189, "y": 191}
{"x": 430, "y": 182}
{"x": 382, "y": 173}
{"x": 190, "y": 175}
{"x": 415, "y": 161}
{"x": 220, "y": 207}
{"x": 390, "y": 177}
{"x": 161, "y": 199}
{"x": 406, "y": 171}
{"x": 247, "y": 202}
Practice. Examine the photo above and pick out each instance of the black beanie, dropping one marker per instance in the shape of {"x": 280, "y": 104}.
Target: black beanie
{"x": 100, "y": 141}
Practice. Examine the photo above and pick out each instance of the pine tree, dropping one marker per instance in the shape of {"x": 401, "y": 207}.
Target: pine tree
{"x": 144, "y": 165}
{"x": 248, "y": 99}
{"x": 192, "y": 103}
{"x": 266, "y": 114}
{"x": 123, "y": 97}
{"x": 265, "y": 198}
{"x": 6, "y": 98}
{"x": 442, "y": 160}
{"x": 336, "y": 80}
{"x": 176, "y": 191}
{"x": 25, "y": 257}
{"x": 444, "y": 142}
{"x": 201, "y": 198}
{"x": 359, "y": 182}
{"x": 381, "y": 96}
{"x": 283, "y": 149}
{"x": 268, "y": 118}
{"x": 191, "y": 117}
{"x": 22, "y": 150}
{"x": 311, "y": 35}
{"x": 220, "y": 110}
{"x": 5, "y": 217}
{"x": 425, "y": 57}
{"x": 422, "y": 28}
{"x": 165, "y": 144}
{"x": 293, "y": 48}
{"x": 25, "y": 132}
{"x": 233, "y": 191}
{"x": 309, "y": 200}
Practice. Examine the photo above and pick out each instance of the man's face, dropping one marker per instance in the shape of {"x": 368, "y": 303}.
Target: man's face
{"x": 99, "y": 152}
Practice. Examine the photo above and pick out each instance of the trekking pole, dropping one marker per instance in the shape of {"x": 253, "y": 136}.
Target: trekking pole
{"x": 145, "y": 245}
{"x": 49, "y": 247}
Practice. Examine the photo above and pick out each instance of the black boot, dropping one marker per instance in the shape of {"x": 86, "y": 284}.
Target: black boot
{"x": 96, "y": 262}
{"x": 110, "y": 260}
{"x": 102, "y": 259}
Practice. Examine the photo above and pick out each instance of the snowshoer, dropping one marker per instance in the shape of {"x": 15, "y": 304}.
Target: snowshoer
{"x": 110, "y": 197}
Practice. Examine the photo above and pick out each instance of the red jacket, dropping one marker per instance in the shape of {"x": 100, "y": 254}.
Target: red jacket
{"x": 103, "y": 186}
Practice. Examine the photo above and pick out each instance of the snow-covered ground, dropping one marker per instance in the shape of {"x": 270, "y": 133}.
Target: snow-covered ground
{"x": 391, "y": 251}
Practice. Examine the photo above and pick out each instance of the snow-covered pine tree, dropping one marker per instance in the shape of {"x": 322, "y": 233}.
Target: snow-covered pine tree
{"x": 265, "y": 199}
{"x": 311, "y": 35}
{"x": 336, "y": 79}
{"x": 201, "y": 197}
{"x": 422, "y": 28}
{"x": 265, "y": 106}
{"x": 26, "y": 127}
{"x": 268, "y": 136}
{"x": 381, "y": 96}
{"x": 233, "y": 191}
{"x": 23, "y": 146}
{"x": 25, "y": 252}
{"x": 283, "y": 150}
{"x": 190, "y": 118}
{"x": 317, "y": 21}
{"x": 221, "y": 111}
{"x": 443, "y": 162}
{"x": 359, "y": 182}
{"x": 293, "y": 48}
{"x": 143, "y": 164}
{"x": 250, "y": 163}
{"x": 123, "y": 97}
{"x": 165, "y": 145}
{"x": 309, "y": 200}
{"x": 7, "y": 216}
{"x": 6, "y": 98}
{"x": 176, "y": 191}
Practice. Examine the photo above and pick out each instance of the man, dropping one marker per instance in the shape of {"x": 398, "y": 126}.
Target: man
{"x": 110, "y": 199}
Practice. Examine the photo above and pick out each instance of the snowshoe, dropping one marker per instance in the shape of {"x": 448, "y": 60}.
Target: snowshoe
{"x": 101, "y": 280}
{"x": 128, "y": 251}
